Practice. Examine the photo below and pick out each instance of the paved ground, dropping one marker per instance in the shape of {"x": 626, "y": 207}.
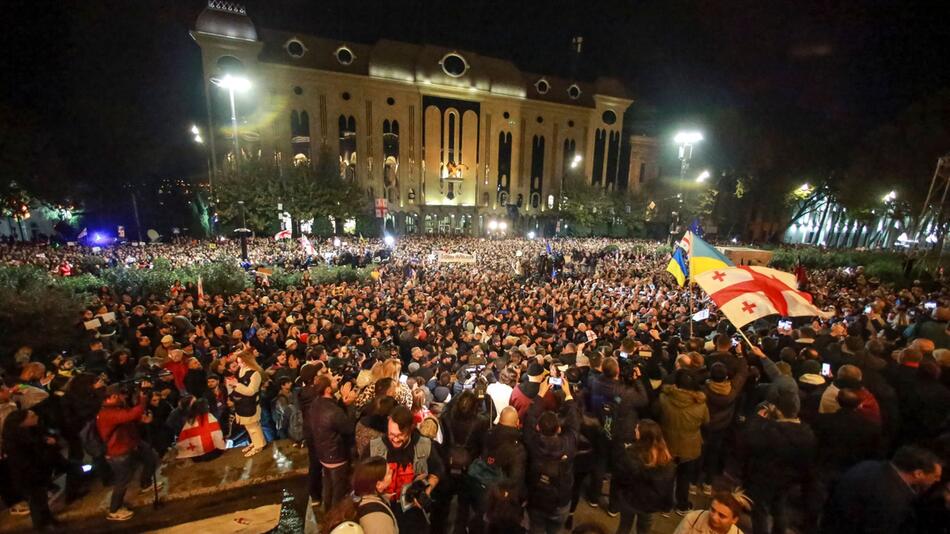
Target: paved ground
{"x": 229, "y": 484}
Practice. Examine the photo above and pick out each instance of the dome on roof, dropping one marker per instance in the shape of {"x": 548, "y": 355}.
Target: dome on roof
{"x": 227, "y": 19}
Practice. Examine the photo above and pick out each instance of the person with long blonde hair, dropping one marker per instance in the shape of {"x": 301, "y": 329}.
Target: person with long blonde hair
{"x": 245, "y": 392}
{"x": 644, "y": 473}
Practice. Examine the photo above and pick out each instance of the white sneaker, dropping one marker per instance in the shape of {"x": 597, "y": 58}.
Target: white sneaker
{"x": 146, "y": 489}
{"x": 122, "y": 514}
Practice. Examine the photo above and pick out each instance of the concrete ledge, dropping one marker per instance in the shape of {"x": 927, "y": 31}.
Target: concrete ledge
{"x": 183, "y": 479}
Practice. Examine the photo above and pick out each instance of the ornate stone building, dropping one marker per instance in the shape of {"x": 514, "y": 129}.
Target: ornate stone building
{"x": 450, "y": 138}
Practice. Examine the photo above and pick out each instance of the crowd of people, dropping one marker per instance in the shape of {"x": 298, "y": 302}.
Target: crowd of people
{"x": 499, "y": 393}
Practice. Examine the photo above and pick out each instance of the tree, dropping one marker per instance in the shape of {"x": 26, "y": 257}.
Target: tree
{"x": 338, "y": 197}
{"x": 583, "y": 203}
{"x": 251, "y": 181}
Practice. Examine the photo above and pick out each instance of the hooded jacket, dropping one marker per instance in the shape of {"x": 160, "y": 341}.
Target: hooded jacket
{"x": 682, "y": 413}
{"x": 721, "y": 397}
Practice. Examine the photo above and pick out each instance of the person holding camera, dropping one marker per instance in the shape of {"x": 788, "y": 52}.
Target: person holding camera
{"x": 552, "y": 447}
{"x": 117, "y": 424}
{"x": 417, "y": 469}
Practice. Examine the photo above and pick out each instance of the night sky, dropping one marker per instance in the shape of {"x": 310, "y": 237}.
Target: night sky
{"x": 107, "y": 89}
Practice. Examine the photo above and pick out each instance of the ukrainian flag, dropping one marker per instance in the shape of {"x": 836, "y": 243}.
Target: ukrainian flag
{"x": 678, "y": 267}
{"x": 704, "y": 257}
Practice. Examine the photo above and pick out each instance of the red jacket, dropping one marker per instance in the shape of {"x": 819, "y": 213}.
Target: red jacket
{"x": 521, "y": 401}
{"x": 178, "y": 370}
{"x": 117, "y": 428}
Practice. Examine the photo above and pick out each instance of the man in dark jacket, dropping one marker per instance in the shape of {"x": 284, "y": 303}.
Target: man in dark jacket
{"x": 551, "y": 448}
{"x": 779, "y": 453}
{"x": 332, "y": 428}
{"x": 846, "y": 437}
{"x": 877, "y": 497}
{"x": 722, "y": 393}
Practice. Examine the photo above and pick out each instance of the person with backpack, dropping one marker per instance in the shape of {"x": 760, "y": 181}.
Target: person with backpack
{"x": 643, "y": 474}
{"x": 502, "y": 463}
{"x": 368, "y": 512}
{"x": 465, "y": 431}
{"x": 551, "y": 448}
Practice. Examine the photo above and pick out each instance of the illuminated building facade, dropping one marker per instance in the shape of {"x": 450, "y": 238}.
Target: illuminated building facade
{"x": 450, "y": 138}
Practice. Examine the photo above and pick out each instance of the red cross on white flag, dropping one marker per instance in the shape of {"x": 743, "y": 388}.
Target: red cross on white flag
{"x": 745, "y": 294}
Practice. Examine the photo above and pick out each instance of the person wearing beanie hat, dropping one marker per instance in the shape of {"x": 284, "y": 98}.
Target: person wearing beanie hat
{"x": 778, "y": 452}
{"x": 781, "y": 383}
{"x": 722, "y": 395}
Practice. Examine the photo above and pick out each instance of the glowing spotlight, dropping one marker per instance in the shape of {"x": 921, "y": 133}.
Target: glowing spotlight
{"x": 389, "y": 240}
{"x": 493, "y": 225}
{"x": 502, "y": 226}
{"x": 531, "y": 235}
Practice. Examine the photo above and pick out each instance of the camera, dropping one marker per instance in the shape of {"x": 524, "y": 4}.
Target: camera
{"x": 415, "y": 493}
{"x": 347, "y": 368}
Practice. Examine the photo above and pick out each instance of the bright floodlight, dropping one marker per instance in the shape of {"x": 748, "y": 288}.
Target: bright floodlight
{"x": 805, "y": 187}
{"x": 198, "y": 139}
{"x": 493, "y": 224}
{"x": 702, "y": 176}
{"x": 576, "y": 161}
{"x": 531, "y": 234}
{"x": 503, "y": 225}
{"x": 890, "y": 196}
{"x": 389, "y": 240}
{"x": 194, "y": 129}
{"x": 234, "y": 83}
{"x": 688, "y": 138}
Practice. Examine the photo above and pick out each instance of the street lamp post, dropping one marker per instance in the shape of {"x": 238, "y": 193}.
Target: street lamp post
{"x": 232, "y": 84}
{"x": 685, "y": 140}
{"x": 243, "y": 231}
{"x": 211, "y": 205}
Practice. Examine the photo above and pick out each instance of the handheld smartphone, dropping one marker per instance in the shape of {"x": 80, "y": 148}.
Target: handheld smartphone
{"x": 735, "y": 342}
{"x": 403, "y": 378}
{"x": 867, "y": 309}
{"x": 930, "y": 305}
{"x": 624, "y": 354}
{"x": 554, "y": 381}
{"x": 826, "y": 370}
{"x": 785, "y": 325}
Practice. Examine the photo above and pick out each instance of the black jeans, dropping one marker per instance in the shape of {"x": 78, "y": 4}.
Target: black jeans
{"x": 314, "y": 472}
{"x": 686, "y": 473}
{"x": 336, "y": 484}
{"x": 713, "y": 453}
{"x": 768, "y": 500}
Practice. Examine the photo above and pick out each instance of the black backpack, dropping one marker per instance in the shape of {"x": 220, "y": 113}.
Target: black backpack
{"x": 546, "y": 489}
{"x": 609, "y": 413}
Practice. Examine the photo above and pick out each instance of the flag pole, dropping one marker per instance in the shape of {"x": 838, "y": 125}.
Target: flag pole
{"x": 691, "y": 321}
{"x": 741, "y": 333}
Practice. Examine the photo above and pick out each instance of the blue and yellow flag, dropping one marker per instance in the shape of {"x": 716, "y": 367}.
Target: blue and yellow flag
{"x": 678, "y": 267}
{"x": 703, "y": 256}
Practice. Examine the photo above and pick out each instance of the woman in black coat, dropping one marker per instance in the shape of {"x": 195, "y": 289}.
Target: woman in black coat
{"x": 645, "y": 472}
{"x": 33, "y": 456}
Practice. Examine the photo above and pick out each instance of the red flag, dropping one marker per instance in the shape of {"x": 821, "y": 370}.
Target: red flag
{"x": 283, "y": 234}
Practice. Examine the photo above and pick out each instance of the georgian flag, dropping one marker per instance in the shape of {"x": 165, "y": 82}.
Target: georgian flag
{"x": 745, "y": 294}
{"x": 283, "y": 234}
{"x": 200, "y": 437}
{"x": 307, "y": 246}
